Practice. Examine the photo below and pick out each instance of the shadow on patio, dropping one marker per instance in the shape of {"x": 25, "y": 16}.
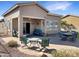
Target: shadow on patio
{"x": 57, "y": 41}
{"x": 54, "y": 41}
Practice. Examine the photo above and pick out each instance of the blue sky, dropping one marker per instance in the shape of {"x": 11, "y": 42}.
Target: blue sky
{"x": 57, "y": 7}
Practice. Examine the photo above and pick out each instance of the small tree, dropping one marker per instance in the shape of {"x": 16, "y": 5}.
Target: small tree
{"x": 67, "y": 26}
{"x": 64, "y": 25}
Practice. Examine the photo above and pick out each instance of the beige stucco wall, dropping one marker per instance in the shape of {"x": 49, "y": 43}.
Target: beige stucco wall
{"x": 3, "y": 30}
{"x": 55, "y": 21}
{"x": 13, "y": 14}
{"x": 72, "y": 20}
{"x": 33, "y": 10}
{"x": 9, "y": 18}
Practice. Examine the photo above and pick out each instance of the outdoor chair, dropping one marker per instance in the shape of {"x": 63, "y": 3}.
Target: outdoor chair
{"x": 62, "y": 36}
{"x": 44, "y": 43}
{"x": 15, "y": 33}
{"x": 24, "y": 40}
{"x": 61, "y": 33}
{"x": 38, "y": 32}
{"x": 74, "y": 36}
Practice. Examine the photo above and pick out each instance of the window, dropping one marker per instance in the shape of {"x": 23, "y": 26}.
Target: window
{"x": 52, "y": 25}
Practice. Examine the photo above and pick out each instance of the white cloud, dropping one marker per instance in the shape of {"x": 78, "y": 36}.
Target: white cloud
{"x": 1, "y": 17}
{"x": 59, "y": 6}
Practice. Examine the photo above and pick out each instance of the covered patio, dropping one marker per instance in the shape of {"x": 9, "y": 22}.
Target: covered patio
{"x": 26, "y": 25}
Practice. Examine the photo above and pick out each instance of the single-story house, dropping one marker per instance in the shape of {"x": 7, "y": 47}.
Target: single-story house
{"x": 25, "y": 17}
{"x": 2, "y": 28}
{"x": 74, "y": 20}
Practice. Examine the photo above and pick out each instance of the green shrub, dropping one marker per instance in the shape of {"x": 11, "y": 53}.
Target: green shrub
{"x": 66, "y": 53}
{"x": 12, "y": 43}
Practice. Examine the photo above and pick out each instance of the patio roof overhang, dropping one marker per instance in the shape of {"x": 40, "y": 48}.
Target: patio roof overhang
{"x": 32, "y": 17}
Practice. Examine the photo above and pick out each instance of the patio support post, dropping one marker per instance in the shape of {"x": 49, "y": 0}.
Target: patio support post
{"x": 59, "y": 25}
{"x": 42, "y": 25}
{"x": 20, "y": 26}
{"x": 45, "y": 27}
{"x": 11, "y": 27}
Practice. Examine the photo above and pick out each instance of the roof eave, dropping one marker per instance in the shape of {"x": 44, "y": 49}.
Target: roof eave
{"x": 18, "y": 4}
{"x": 42, "y": 7}
{"x": 69, "y": 15}
{"x": 12, "y": 8}
{"x": 54, "y": 15}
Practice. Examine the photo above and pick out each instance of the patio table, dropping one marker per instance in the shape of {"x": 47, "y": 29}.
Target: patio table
{"x": 68, "y": 34}
{"x": 71, "y": 36}
{"x": 34, "y": 41}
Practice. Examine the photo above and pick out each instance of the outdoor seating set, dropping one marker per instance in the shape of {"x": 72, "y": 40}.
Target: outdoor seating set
{"x": 31, "y": 42}
{"x": 15, "y": 33}
{"x": 66, "y": 35}
{"x": 36, "y": 32}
